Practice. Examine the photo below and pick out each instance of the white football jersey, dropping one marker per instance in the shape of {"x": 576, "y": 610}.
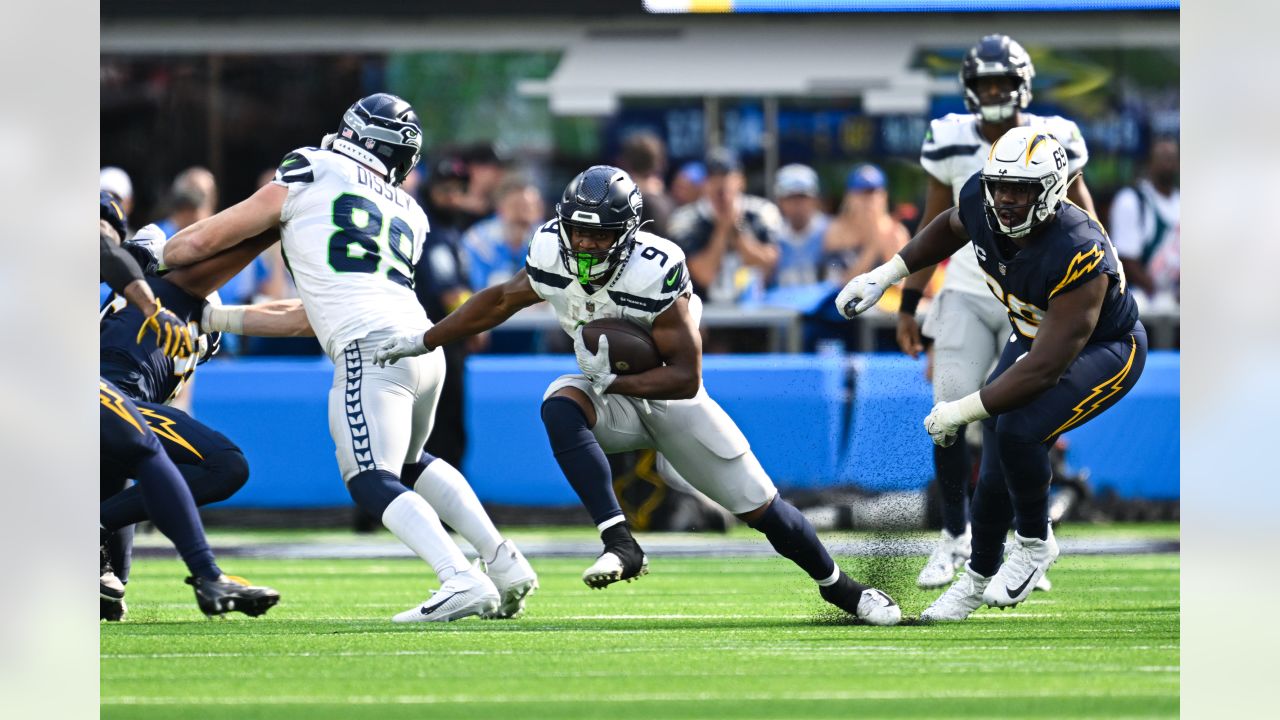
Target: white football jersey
{"x": 350, "y": 240}
{"x": 651, "y": 279}
{"x": 954, "y": 149}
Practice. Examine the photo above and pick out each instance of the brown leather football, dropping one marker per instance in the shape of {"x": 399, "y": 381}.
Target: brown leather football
{"x": 631, "y": 348}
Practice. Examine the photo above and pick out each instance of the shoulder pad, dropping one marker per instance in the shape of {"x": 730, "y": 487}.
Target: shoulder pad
{"x": 950, "y": 136}
{"x": 656, "y": 272}
{"x": 298, "y": 166}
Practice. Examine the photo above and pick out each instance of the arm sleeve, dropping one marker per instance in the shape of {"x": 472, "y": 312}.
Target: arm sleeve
{"x": 116, "y": 266}
{"x": 1125, "y": 224}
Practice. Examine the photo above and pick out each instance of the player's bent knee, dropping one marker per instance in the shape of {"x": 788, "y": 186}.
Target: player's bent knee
{"x": 230, "y": 472}
{"x": 754, "y": 515}
{"x": 570, "y": 394}
{"x": 373, "y": 490}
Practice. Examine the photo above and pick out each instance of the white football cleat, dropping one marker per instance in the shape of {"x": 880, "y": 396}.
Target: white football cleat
{"x": 877, "y": 608}
{"x": 948, "y": 556}
{"x": 467, "y": 593}
{"x": 609, "y": 569}
{"x": 1044, "y": 584}
{"x": 515, "y": 579}
{"x": 1027, "y": 562}
{"x": 960, "y": 600}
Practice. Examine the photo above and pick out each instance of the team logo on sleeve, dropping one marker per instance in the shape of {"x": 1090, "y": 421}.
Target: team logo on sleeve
{"x": 1084, "y": 262}
{"x": 674, "y": 279}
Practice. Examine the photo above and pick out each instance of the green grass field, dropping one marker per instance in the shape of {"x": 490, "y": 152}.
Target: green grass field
{"x": 699, "y": 637}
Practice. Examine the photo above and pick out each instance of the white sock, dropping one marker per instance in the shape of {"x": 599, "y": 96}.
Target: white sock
{"x": 451, "y": 495}
{"x": 411, "y": 519}
{"x": 835, "y": 576}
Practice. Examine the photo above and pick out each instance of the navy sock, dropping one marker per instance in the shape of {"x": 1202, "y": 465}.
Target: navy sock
{"x": 172, "y": 509}
{"x": 580, "y": 457}
{"x": 791, "y": 534}
{"x": 410, "y": 472}
{"x": 953, "y": 467}
{"x": 218, "y": 478}
{"x": 1027, "y": 470}
{"x": 992, "y": 511}
{"x": 373, "y": 490}
{"x": 120, "y": 550}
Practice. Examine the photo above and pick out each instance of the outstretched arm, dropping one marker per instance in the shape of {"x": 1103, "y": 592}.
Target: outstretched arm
{"x": 485, "y": 310}
{"x": 210, "y": 236}
{"x": 277, "y": 318}
{"x": 937, "y": 242}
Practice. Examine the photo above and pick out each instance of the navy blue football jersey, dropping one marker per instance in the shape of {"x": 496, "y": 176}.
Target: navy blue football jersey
{"x": 141, "y": 370}
{"x": 1062, "y": 254}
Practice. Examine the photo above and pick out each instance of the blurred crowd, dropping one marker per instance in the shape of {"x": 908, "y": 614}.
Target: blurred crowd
{"x": 744, "y": 250}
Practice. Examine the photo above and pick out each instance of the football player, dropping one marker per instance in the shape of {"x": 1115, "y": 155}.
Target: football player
{"x": 212, "y": 466}
{"x": 966, "y": 324}
{"x": 590, "y": 262}
{"x": 1076, "y": 349}
{"x": 131, "y": 449}
{"x": 352, "y": 236}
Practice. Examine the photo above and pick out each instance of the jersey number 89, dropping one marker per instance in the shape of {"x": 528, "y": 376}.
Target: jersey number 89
{"x": 360, "y": 224}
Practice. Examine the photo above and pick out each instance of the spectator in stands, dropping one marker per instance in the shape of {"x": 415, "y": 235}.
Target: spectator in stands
{"x": 804, "y": 225}
{"x": 496, "y": 247}
{"x": 686, "y": 186}
{"x": 729, "y": 238}
{"x": 864, "y": 234}
{"x": 116, "y": 181}
{"x": 644, "y": 157}
{"x": 485, "y": 172}
{"x": 193, "y": 197}
{"x": 1144, "y": 226}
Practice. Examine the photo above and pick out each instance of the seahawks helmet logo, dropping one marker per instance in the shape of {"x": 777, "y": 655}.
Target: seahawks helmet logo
{"x": 410, "y": 136}
{"x": 635, "y": 201}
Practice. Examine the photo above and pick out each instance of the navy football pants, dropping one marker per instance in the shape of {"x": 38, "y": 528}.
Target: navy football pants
{"x": 1013, "y": 482}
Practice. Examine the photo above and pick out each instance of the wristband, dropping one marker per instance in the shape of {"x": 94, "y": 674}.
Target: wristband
{"x": 970, "y": 408}
{"x": 223, "y": 318}
{"x": 910, "y": 301}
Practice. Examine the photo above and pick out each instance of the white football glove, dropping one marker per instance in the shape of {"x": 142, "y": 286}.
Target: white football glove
{"x": 864, "y": 291}
{"x": 945, "y": 420}
{"x": 596, "y": 367}
{"x": 400, "y": 346}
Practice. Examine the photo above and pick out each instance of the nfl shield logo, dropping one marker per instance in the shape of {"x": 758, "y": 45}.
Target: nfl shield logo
{"x": 1003, "y": 270}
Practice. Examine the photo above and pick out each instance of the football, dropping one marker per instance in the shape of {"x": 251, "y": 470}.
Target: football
{"x": 631, "y": 348}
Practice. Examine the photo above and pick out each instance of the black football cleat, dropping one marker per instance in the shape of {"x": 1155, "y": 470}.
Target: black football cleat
{"x": 110, "y": 589}
{"x": 112, "y": 611}
{"x": 869, "y": 605}
{"x": 230, "y": 593}
{"x": 619, "y": 561}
